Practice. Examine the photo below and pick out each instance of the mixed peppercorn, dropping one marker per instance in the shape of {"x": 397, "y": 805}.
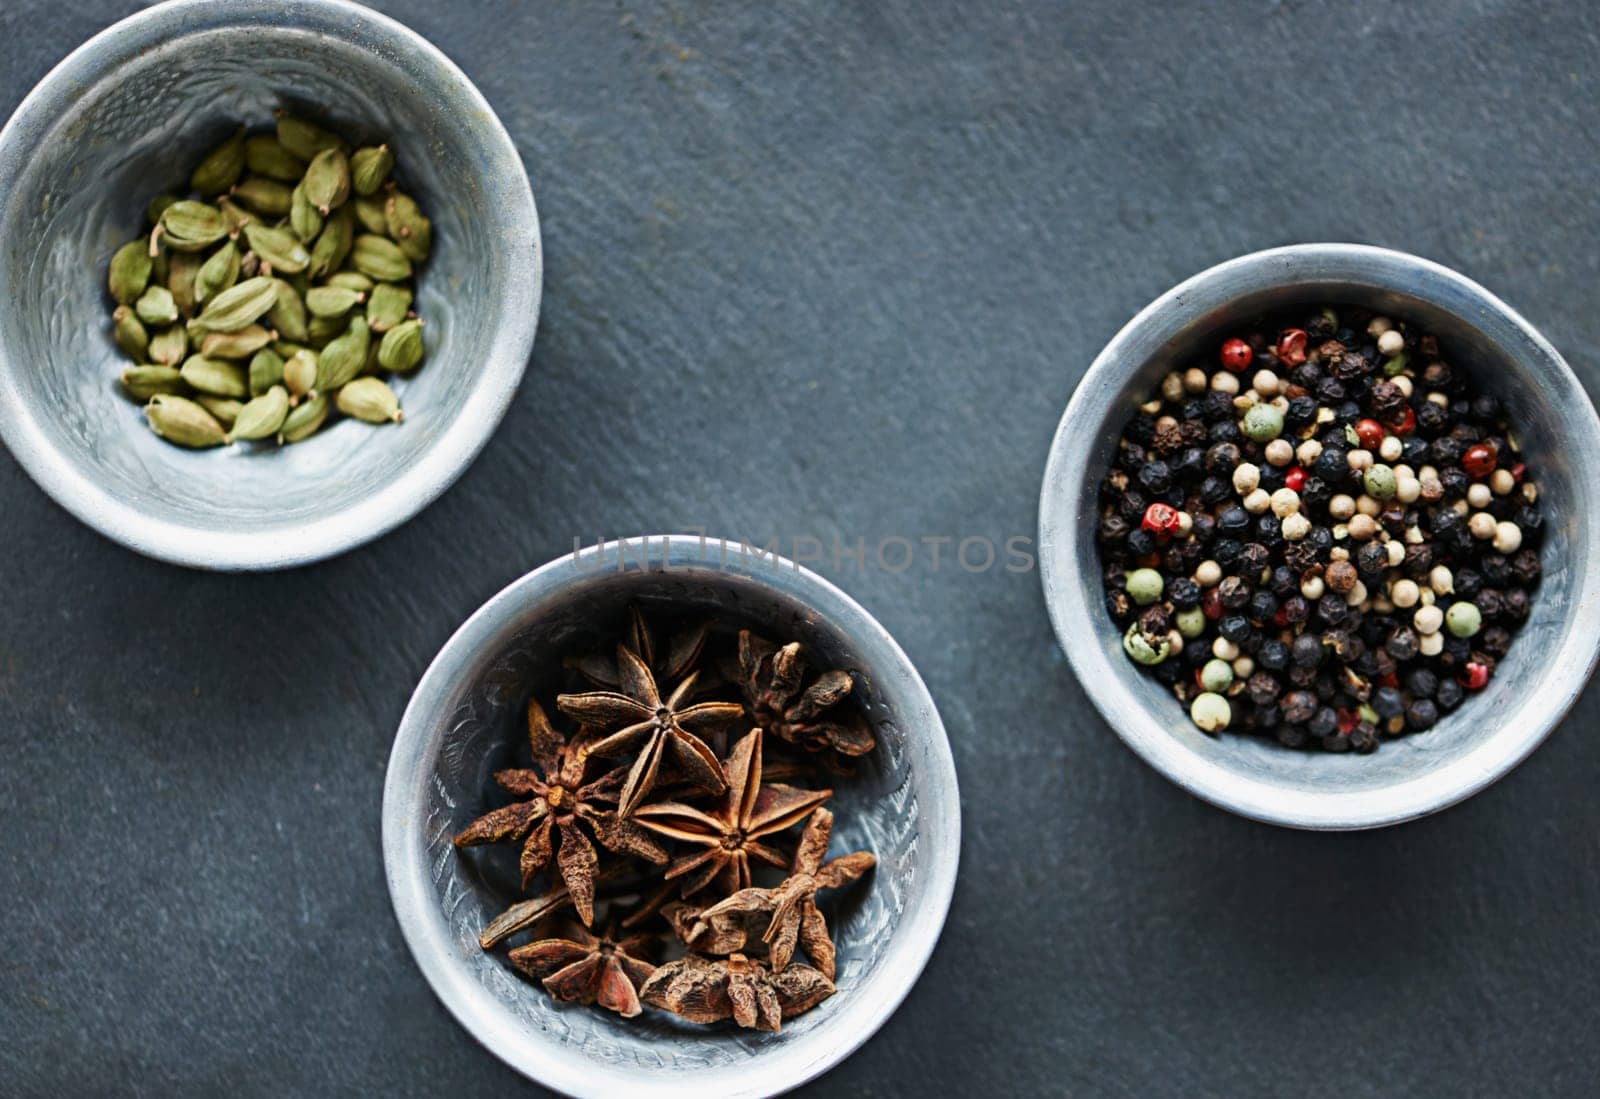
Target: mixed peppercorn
{"x": 1324, "y": 535}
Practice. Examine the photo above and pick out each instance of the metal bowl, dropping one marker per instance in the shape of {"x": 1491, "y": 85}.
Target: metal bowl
{"x": 466, "y": 720}
{"x": 125, "y": 117}
{"x": 1553, "y": 654}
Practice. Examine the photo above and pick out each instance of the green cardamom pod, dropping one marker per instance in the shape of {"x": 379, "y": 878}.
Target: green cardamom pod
{"x": 279, "y": 249}
{"x": 263, "y": 416}
{"x": 145, "y": 381}
{"x": 370, "y": 399}
{"x": 407, "y": 227}
{"x": 170, "y": 346}
{"x": 216, "y": 377}
{"x": 157, "y": 207}
{"x": 130, "y": 333}
{"x": 182, "y": 421}
{"x": 266, "y": 371}
{"x": 324, "y": 329}
{"x": 332, "y": 301}
{"x": 225, "y": 409}
{"x": 221, "y": 168}
{"x": 379, "y": 258}
{"x": 217, "y": 273}
{"x": 327, "y": 180}
{"x": 182, "y": 270}
{"x": 351, "y": 280}
{"x": 268, "y": 197}
{"x": 305, "y": 139}
{"x": 369, "y": 213}
{"x": 239, "y": 306}
{"x": 241, "y": 344}
{"x": 387, "y": 305}
{"x": 161, "y": 264}
{"x": 156, "y": 307}
{"x": 288, "y": 314}
{"x": 401, "y": 349}
{"x": 188, "y": 226}
{"x": 333, "y": 246}
{"x": 234, "y": 216}
{"x": 265, "y": 155}
{"x": 304, "y": 420}
{"x": 303, "y": 216}
{"x": 300, "y": 372}
{"x": 370, "y": 167}
{"x": 129, "y": 273}
{"x": 344, "y": 357}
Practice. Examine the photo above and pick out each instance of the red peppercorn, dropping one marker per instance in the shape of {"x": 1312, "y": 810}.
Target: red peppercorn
{"x": 1369, "y": 433}
{"x": 1292, "y": 346}
{"x": 1518, "y": 472}
{"x": 1211, "y": 604}
{"x": 1160, "y": 519}
{"x": 1348, "y": 719}
{"x": 1477, "y": 675}
{"x": 1407, "y": 421}
{"x": 1294, "y": 479}
{"x": 1236, "y": 354}
{"x": 1479, "y": 460}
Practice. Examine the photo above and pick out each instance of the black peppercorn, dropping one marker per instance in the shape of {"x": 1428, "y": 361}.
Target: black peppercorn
{"x": 1263, "y": 605}
{"x": 1388, "y": 702}
{"x": 1141, "y": 542}
{"x": 1274, "y": 655}
{"x": 1422, "y": 714}
{"x": 1298, "y": 706}
{"x": 1364, "y": 738}
{"x": 1306, "y": 652}
{"x": 1120, "y": 606}
{"x": 1263, "y": 688}
{"x": 1234, "y": 627}
{"x": 1371, "y": 559}
{"x": 1402, "y": 643}
{"x": 1155, "y": 476}
{"x": 1421, "y": 683}
{"x": 1449, "y": 694}
{"x": 1184, "y": 593}
{"x": 1333, "y": 465}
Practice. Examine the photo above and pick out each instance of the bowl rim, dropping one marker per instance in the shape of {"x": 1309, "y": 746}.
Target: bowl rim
{"x": 414, "y": 896}
{"x": 414, "y": 487}
{"x": 1060, "y": 566}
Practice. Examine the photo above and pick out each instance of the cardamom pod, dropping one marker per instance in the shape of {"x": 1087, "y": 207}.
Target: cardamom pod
{"x": 130, "y": 271}
{"x": 288, "y": 313}
{"x": 217, "y": 273}
{"x": 324, "y": 329}
{"x": 303, "y": 216}
{"x": 182, "y": 270}
{"x": 369, "y": 167}
{"x": 401, "y": 349}
{"x": 370, "y": 399}
{"x": 170, "y": 346}
{"x": 279, "y": 249}
{"x": 387, "y": 305}
{"x": 225, "y": 409}
{"x": 300, "y": 372}
{"x": 333, "y": 246}
{"x": 407, "y": 226}
{"x": 130, "y": 333}
{"x": 241, "y": 344}
{"x": 265, "y": 155}
{"x": 221, "y": 168}
{"x": 263, "y": 416}
{"x": 268, "y": 197}
{"x": 327, "y": 180}
{"x": 266, "y": 371}
{"x": 305, "y": 139}
{"x": 234, "y": 216}
{"x": 157, "y": 206}
{"x": 332, "y": 301}
{"x": 369, "y": 212}
{"x": 156, "y": 307}
{"x": 379, "y": 258}
{"x": 351, "y": 280}
{"x": 239, "y": 306}
{"x": 182, "y": 421}
{"x": 216, "y": 377}
{"x": 145, "y": 381}
{"x": 344, "y": 357}
{"x": 189, "y": 226}
{"x": 161, "y": 264}
{"x": 304, "y": 420}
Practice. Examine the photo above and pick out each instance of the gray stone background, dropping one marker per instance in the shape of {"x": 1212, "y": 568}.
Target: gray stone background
{"x": 831, "y": 268}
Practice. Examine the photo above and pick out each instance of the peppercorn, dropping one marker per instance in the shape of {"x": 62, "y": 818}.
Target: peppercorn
{"x": 1402, "y": 644}
{"x": 1120, "y": 605}
{"x": 1371, "y": 559}
{"x": 1236, "y": 354}
{"x": 1234, "y": 627}
{"x": 1184, "y": 593}
{"x": 1140, "y": 543}
{"x": 1422, "y": 714}
{"x": 1341, "y": 577}
{"x": 1364, "y": 738}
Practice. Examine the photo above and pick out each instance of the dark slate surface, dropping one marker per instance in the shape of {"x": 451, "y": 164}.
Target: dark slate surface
{"x": 831, "y": 270}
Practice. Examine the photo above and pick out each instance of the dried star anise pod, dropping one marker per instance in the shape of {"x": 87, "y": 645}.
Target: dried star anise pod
{"x": 637, "y": 714}
{"x": 585, "y": 968}
{"x": 705, "y": 991}
{"x": 812, "y": 718}
{"x": 731, "y": 836}
{"x": 559, "y": 800}
{"x": 669, "y": 664}
{"x": 792, "y": 906}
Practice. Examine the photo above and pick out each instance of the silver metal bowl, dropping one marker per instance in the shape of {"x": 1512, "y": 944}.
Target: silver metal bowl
{"x": 125, "y": 117}
{"x": 466, "y": 720}
{"x": 1552, "y": 656}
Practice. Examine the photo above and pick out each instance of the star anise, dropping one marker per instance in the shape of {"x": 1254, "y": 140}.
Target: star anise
{"x": 669, "y": 664}
{"x": 637, "y": 718}
{"x": 790, "y": 908}
{"x": 813, "y": 718}
{"x": 730, "y": 837}
{"x": 559, "y": 801}
{"x": 585, "y": 968}
{"x": 705, "y": 991}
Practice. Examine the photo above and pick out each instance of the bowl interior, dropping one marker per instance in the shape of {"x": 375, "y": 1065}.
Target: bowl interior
{"x": 128, "y": 119}
{"x": 901, "y": 806}
{"x": 1551, "y": 654}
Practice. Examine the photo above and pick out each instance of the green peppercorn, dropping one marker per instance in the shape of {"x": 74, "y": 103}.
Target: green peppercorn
{"x": 1463, "y": 619}
{"x": 1145, "y": 586}
{"x": 1396, "y": 365}
{"x": 1191, "y": 623}
{"x": 1368, "y": 714}
{"x": 1263, "y": 423}
{"x": 1210, "y": 711}
{"x": 1379, "y": 482}
{"x": 1136, "y": 645}
{"x": 1216, "y": 675}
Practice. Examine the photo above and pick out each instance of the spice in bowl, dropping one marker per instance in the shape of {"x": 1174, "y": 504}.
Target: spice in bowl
{"x": 277, "y": 294}
{"x": 673, "y": 801}
{"x": 1322, "y": 534}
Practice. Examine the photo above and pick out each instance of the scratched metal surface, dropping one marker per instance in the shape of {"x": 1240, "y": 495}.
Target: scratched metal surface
{"x": 831, "y": 270}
